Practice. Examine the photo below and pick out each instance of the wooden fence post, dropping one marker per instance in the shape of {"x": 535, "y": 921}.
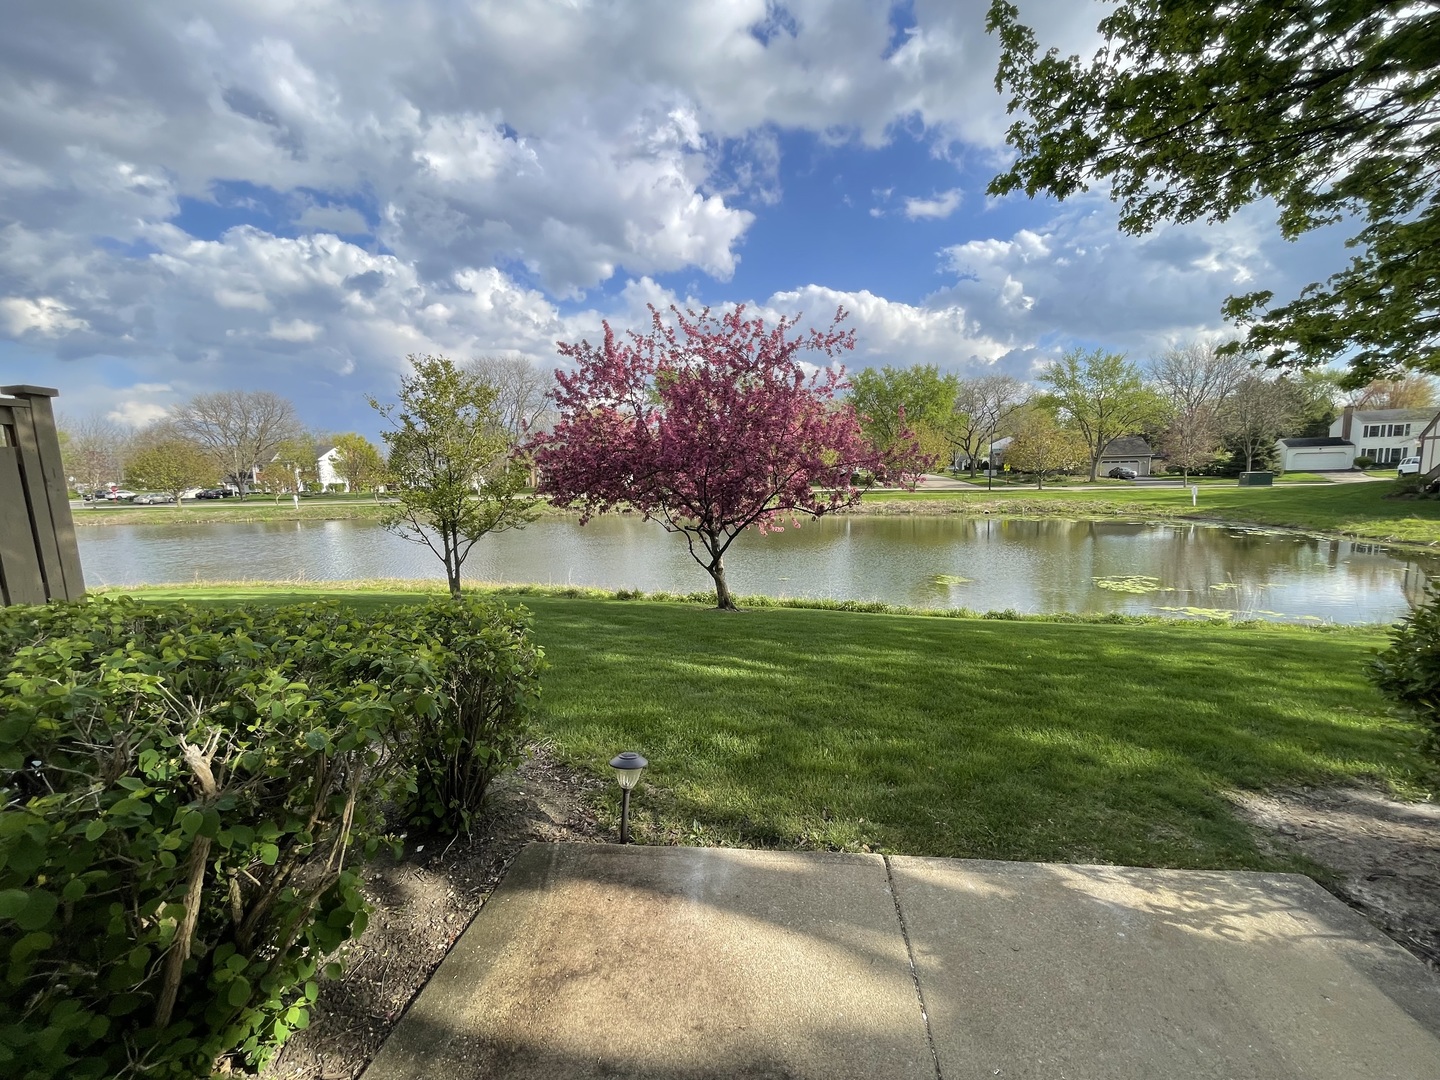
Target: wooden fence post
{"x": 39, "y": 559}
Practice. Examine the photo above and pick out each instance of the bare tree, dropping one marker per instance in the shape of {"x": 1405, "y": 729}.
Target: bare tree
{"x": 524, "y": 392}
{"x": 1195, "y": 381}
{"x": 1258, "y": 412}
{"x": 94, "y": 449}
{"x": 983, "y": 405}
{"x": 1408, "y": 392}
{"x": 1191, "y": 439}
{"x": 238, "y": 429}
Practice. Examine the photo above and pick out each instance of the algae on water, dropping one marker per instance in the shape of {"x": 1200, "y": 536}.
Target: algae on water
{"x": 1138, "y": 584}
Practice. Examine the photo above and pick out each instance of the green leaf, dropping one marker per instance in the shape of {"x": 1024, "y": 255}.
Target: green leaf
{"x": 316, "y": 740}
{"x": 12, "y": 902}
{"x": 37, "y": 911}
{"x": 239, "y": 992}
{"x": 96, "y": 829}
{"x": 269, "y": 853}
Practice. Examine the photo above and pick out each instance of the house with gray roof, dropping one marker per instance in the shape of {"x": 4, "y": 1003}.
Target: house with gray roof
{"x": 1130, "y": 452}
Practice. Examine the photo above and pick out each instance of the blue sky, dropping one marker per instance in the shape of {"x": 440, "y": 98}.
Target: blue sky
{"x": 258, "y": 196}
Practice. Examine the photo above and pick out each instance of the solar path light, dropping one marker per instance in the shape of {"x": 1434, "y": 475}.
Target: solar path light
{"x": 628, "y": 767}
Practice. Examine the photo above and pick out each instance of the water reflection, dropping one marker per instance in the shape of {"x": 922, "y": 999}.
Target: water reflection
{"x": 984, "y": 563}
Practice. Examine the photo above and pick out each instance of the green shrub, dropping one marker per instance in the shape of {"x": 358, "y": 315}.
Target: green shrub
{"x": 1363, "y": 462}
{"x": 1408, "y": 672}
{"x": 486, "y": 683}
{"x": 186, "y": 793}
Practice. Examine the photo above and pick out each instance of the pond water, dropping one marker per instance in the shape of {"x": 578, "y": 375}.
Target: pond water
{"x": 983, "y": 564}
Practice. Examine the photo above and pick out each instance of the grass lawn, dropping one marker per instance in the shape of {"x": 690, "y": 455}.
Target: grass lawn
{"x": 957, "y": 737}
{"x": 1355, "y": 510}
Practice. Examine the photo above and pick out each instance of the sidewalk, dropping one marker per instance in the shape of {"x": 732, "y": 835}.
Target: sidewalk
{"x": 632, "y": 962}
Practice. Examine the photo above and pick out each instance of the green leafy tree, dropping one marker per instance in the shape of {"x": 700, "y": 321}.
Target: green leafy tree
{"x": 1103, "y": 396}
{"x": 359, "y": 462}
{"x": 897, "y": 405}
{"x": 170, "y": 466}
{"x": 1042, "y": 445}
{"x": 450, "y": 458}
{"x": 300, "y": 456}
{"x": 1192, "y": 110}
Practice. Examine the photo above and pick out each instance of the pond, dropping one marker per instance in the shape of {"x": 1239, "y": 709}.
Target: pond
{"x": 1199, "y": 571}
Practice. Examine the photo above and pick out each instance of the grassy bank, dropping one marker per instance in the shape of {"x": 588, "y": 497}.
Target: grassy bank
{"x": 961, "y": 737}
{"x": 1361, "y": 511}
{"x": 218, "y": 511}
{"x": 1357, "y": 511}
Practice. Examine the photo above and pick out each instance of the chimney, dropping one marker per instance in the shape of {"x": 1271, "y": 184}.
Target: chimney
{"x": 1346, "y": 420}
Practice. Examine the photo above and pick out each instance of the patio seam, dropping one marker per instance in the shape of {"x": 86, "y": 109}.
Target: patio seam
{"x": 914, "y": 971}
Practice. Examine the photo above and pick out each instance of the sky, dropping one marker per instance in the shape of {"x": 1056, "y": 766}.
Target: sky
{"x": 294, "y": 195}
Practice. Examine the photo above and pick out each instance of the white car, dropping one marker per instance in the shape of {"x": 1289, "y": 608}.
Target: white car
{"x": 1409, "y": 467}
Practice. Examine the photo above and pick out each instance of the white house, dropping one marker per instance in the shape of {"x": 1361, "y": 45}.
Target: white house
{"x": 1385, "y": 436}
{"x": 325, "y": 470}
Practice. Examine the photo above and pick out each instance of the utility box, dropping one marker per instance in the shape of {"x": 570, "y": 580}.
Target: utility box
{"x": 39, "y": 559}
{"x": 1257, "y": 479}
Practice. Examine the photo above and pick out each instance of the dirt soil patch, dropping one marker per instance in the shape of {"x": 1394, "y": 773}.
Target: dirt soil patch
{"x": 423, "y": 903}
{"x": 1384, "y": 854}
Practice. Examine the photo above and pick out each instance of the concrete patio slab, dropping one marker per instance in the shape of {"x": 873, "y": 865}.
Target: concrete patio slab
{"x": 607, "y": 961}
{"x": 1114, "y": 973}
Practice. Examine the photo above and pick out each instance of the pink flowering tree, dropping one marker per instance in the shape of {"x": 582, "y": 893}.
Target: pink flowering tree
{"x": 709, "y": 425}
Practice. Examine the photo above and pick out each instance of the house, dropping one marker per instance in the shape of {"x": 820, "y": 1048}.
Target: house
{"x": 1129, "y": 452}
{"x": 325, "y": 471}
{"x": 1322, "y": 453}
{"x": 1385, "y": 436}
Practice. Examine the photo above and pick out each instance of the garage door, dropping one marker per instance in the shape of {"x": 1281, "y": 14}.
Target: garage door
{"x": 1320, "y": 460}
{"x": 1125, "y": 463}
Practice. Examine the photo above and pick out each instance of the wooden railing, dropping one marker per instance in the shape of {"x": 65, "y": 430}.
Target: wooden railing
{"x": 39, "y": 560}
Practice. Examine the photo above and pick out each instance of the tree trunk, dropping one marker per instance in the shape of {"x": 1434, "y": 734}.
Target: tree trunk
{"x": 723, "y": 600}
{"x": 452, "y": 563}
{"x": 1039, "y": 481}
{"x": 1095, "y": 466}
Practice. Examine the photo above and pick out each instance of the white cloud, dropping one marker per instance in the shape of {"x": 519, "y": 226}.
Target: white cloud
{"x": 294, "y": 330}
{"x": 1078, "y": 278}
{"x": 44, "y": 315}
{"x": 940, "y": 206}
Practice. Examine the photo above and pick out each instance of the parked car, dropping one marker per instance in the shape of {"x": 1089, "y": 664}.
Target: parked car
{"x": 1120, "y": 472}
{"x": 1409, "y": 467}
{"x": 153, "y": 499}
{"x": 119, "y": 496}
{"x": 214, "y": 493}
